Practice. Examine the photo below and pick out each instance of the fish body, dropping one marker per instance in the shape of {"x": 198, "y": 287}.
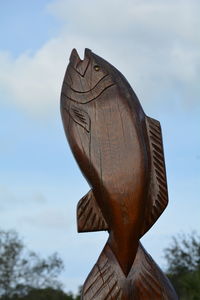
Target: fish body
{"x": 109, "y": 135}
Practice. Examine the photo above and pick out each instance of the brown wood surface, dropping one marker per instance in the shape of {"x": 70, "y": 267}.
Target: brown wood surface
{"x": 119, "y": 151}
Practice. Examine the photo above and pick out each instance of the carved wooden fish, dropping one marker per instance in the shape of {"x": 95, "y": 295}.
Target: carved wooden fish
{"x": 119, "y": 150}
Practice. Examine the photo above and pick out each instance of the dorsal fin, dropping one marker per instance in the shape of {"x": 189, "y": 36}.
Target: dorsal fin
{"x": 157, "y": 194}
{"x": 89, "y": 216}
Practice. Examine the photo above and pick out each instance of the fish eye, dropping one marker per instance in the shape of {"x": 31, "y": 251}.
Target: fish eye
{"x": 96, "y": 68}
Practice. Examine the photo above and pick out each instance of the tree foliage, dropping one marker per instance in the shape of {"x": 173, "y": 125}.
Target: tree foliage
{"x": 22, "y": 271}
{"x": 26, "y": 276}
{"x": 45, "y": 294}
{"x": 183, "y": 260}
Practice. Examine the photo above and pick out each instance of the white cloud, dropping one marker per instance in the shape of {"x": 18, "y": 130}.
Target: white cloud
{"x": 31, "y": 81}
{"x": 154, "y": 43}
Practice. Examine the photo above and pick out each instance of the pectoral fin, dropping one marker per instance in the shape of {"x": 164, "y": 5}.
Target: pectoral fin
{"x": 157, "y": 194}
{"x": 89, "y": 216}
{"x": 79, "y": 116}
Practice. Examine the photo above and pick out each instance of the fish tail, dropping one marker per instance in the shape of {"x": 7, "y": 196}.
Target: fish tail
{"x": 102, "y": 282}
{"x": 145, "y": 280}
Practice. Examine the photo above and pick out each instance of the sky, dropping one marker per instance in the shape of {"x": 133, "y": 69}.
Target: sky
{"x": 156, "y": 45}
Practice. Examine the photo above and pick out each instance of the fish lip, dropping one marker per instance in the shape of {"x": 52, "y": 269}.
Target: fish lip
{"x": 74, "y": 58}
{"x": 79, "y": 65}
{"x": 87, "y": 54}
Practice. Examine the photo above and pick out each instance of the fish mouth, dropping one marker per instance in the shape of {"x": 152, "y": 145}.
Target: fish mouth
{"x": 80, "y": 65}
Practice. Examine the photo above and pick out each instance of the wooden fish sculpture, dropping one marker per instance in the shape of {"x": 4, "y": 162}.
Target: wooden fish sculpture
{"x": 120, "y": 152}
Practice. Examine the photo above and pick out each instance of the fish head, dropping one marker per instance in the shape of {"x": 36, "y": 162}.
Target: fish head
{"x": 86, "y": 78}
{"x": 86, "y": 73}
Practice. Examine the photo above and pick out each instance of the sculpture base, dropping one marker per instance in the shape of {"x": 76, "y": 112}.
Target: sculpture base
{"x": 145, "y": 280}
